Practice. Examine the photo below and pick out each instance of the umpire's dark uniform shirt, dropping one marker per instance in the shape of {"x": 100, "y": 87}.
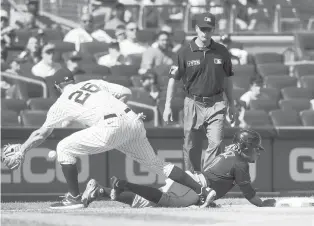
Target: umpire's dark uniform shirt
{"x": 202, "y": 71}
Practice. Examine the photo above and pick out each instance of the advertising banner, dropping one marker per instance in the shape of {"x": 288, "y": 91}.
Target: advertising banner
{"x": 41, "y": 176}
{"x": 293, "y": 162}
{"x": 171, "y": 150}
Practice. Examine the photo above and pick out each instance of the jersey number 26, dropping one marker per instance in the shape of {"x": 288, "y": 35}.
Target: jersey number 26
{"x": 80, "y": 96}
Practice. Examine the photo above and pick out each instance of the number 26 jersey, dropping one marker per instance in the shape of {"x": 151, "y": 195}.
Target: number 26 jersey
{"x": 85, "y": 102}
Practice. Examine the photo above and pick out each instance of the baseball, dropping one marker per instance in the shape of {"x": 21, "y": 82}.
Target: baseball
{"x": 52, "y": 155}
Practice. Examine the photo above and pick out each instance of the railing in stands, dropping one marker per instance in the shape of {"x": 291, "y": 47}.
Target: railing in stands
{"x": 28, "y": 80}
{"x": 149, "y": 107}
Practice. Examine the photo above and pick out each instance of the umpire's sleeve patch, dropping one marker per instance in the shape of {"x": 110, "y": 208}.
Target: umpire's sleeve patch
{"x": 173, "y": 70}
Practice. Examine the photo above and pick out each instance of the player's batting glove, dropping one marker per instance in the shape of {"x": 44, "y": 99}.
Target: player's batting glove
{"x": 12, "y": 156}
{"x": 269, "y": 203}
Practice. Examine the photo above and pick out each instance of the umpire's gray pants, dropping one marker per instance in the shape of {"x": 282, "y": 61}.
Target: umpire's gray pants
{"x": 200, "y": 117}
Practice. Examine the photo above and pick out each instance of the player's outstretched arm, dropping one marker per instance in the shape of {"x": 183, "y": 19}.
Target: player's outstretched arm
{"x": 36, "y": 138}
{"x": 257, "y": 201}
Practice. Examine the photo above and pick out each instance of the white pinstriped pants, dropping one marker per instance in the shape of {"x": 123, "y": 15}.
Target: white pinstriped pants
{"x": 125, "y": 133}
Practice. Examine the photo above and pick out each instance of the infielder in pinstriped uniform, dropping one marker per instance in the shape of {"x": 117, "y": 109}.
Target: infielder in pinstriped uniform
{"x": 111, "y": 125}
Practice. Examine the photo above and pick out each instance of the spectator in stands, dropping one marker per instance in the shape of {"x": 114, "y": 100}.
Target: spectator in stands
{"x": 4, "y": 51}
{"x": 118, "y": 19}
{"x": 120, "y": 33}
{"x": 153, "y": 57}
{"x": 238, "y": 55}
{"x": 12, "y": 88}
{"x": 74, "y": 63}
{"x": 47, "y": 66}
{"x": 173, "y": 46}
{"x": 32, "y": 52}
{"x": 254, "y": 93}
{"x": 150, "y": 84}
{"x": 130, "y": 45}
{"x": 4, "y": 19}
{"x": 114, "y": 57}
{"x": 6, "y": 30}
{"x": 86, "y": 33}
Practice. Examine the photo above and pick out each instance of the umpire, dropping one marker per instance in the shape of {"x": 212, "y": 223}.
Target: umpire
{"x": 205, "y": 68}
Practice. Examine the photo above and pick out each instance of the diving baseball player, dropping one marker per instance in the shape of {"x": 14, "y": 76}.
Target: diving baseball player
{"x": 226, "y": 170}
{"x": 110, "y": 125}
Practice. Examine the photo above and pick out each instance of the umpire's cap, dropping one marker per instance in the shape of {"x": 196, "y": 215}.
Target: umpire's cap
{"x": 205, "y": 20}
{"x": 248, "y": 136}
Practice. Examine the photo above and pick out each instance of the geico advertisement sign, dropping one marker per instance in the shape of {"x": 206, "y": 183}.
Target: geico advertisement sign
{"x": 301, "y": 164}
{"x": 136, "y": 173}
{"x": 37, "y": 169}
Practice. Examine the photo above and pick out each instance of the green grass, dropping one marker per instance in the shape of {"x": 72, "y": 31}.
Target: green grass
{"x": 235, "y": 212}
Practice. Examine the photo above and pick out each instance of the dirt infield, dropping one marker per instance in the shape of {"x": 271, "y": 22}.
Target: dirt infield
{"x": 233, "y": 212}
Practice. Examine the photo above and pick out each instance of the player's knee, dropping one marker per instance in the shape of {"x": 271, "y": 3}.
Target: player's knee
{"x": 63, "y": 156}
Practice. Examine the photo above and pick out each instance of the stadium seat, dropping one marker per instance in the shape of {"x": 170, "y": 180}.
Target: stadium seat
{"x": 13, "y": 105}
{"x": 146, "y": 36}
{"x": 84, "y": 77}
{"x": 280, "y": 82}
{"x": 124, "y": 70}
{"x": 94, "y": 68}
{"x": 241, "y": 82}
{"x": 141, "y": 96}
{"x": 237, "y": 93}
{"x": 40, "y": 104}
{"x": 64, "y": 47}
{"x": 111, "y": 33}
{"x": 31, "y": 118}
{"x": 266, "y": 105}
{"x": 285, "y": 118}
{"x": 295, "y": 93}
{"x": 93, "y": 47}
{"x": 304, "y": 45}
{"x": 272, "y": 93}
{"x": 121, "y": 80}
{"x": 257, "y": 118}
{"x": 21, "y": 37}
{"x": 304, "y": 70}
{"x": 4, "y": 66}
{"x": 295, "y": 104}
{"x": 244, "y": 70}
{"x": 52, "y": 35}
{"x": 136, "y": 59}
{"x": 307, "y": 117}
{"x": 9, "y": 118}
{"x": 273, "y": 70}
{"x": 267, "y": 58}
{"x": 307, "y": 82}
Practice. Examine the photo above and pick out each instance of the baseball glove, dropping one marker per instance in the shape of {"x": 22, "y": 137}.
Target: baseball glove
{"x": 12, "y": 156}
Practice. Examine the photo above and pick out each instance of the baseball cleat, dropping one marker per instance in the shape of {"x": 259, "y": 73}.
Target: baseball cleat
{"x": 207, "y": 196}
{"x": 92, "y": 192}
{"x": 68, "y": 203}
{"x": 116, "y": 189}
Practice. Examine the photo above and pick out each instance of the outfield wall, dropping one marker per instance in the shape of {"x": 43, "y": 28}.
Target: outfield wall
{"x": 287, "y": 165}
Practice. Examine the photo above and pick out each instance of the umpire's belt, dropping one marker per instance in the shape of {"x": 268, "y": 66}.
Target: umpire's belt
{"x": 216, "y": 97}
{"x": 115, "y": 115}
